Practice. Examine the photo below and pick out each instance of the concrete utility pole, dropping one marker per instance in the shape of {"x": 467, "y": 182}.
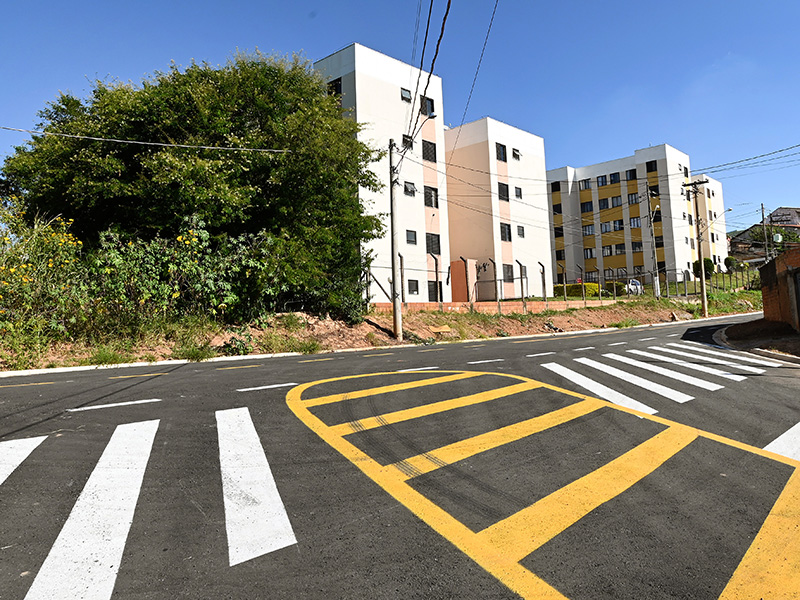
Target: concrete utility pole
{"x": 397, "y": 314}
{"x": 656, "y": 282}
{"x": 764, "y": 230}
{"x": 703, "y": 296}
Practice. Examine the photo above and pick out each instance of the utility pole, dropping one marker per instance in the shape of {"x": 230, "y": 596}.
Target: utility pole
{"x": 397, "y": 314}
{"x": 703, "y": 296}
{"x": 656, "y": 282}
{"x": 764, "y": 230}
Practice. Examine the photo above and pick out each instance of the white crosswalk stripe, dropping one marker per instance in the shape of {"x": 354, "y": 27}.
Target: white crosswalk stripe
{"x": 650, "y": 386}
{"x": 695, "y": 381}
{"x": 715, "y": 361}
{"x": 13, "y": 452}
{"x": 85, "y": 558}
{"x": 697, "y": 346}
{"x": 598, "y": 389}
{"x": 688, "y": 365}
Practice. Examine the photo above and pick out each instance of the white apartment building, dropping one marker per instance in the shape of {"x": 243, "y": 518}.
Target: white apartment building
{"x": 499, "y": 215}
{"x": 630, "y": 216}
{"x": 395, "y": 101}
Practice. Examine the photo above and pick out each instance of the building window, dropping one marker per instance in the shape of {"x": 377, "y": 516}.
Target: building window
{"x": 654, "y": 190}
{"x": 690, "y": 218}
{"x": 411, "y": 237}
{"x": 413, "y": 287}
{"x": 630, "y": 175}
{"x": 619, "y": 249}
{"x": 638, "y": 269}
{"x": 659, "y": 241}
{"x": 656, "y": 216}
{"x": 555, "y": 186}
{"x": 687, "y": 241}
{"x": 409, "y": 189}
{"x": 426, "y": 106}
{"x": 508, "y": 273}
{"x": 432, "y": 296}
{"x": 608, "y": 273}
{"x": 614, "y": 178}
{"x": 431, "y": 196}
{"x": 591, "y": 276}
{"x": 428, "y": 151}
{"x": 585, "y": 184}
{"x": 432, "y": 244}
{"x": 710, "y": 218}
{"x": 502, "y": 191}
{"x": 619, "y": 225}
{"x": 589, "y": 253}
{"x": 602, "y": 180}
{"x": 335, "y": 87}
{"x": 505, "y": 232}
{"x": 605, "y": 226}
{"x": 588, "y": 229}
{"x": 556, "y": 209}
{"x": 616, "y": 201}
{"x": 691, "y": 243}
{"x": 586, "y": 207}
{"x": 602, "y": 203}
{"x": 408, "y": 142}
{"x": 685, "y": 171}
{"x": 636, "y": 246}
{"x": 515, "y": 154}
{"x": 405, "y": 95}
{"x": 651, "y": 166}
{"x": 633, "y": 198}
{"x": 518, "y": 192}
{"x": 560, "y": 254}
{"x": 636, "y": 222}
{"x": 558, "y": 231}
{"x": 606, "y": 250}
{"x": 500, "y": 150}
{"x": 520, "y": 231}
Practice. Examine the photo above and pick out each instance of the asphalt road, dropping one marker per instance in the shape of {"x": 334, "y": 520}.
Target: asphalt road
{"x": 642, "y": 463}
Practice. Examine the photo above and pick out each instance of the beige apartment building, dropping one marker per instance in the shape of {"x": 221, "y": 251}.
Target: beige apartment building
{"x": 633, "y": 216}
{"x": 395, "y": 101}
{"x": 499, "y": 216}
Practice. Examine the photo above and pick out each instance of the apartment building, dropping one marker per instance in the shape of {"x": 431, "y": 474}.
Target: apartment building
{"x": 395, "y": 101}
{"x": 630, "y": 216}
{"x": 499, "y": 215}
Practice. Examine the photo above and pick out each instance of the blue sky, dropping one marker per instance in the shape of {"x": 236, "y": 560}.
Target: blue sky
{"x": 717, "y": 79}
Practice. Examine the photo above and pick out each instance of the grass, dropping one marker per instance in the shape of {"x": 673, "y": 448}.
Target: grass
{"x": 625, "y": 323}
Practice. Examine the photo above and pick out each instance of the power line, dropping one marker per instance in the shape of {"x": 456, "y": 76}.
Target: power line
{"x": 159, "y": 144}
{"x": 421, "y": 65}
{"x": 416, "y": 31}
{"x": 736, "y": 162}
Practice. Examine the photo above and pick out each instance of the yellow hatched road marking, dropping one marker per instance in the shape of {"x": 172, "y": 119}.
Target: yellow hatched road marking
{"x": 447, "y": 455}
{"x": 522, "y": 533}
{"x": 385, "y": 389}
{"x": 771, "y": 566}
{"x": 431, "y": 409}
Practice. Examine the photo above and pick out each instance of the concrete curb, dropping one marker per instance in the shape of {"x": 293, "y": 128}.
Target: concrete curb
{"x": 721, "y": 339}
{"x": 173, "y": 362}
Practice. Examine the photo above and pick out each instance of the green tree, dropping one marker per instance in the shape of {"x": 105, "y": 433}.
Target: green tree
{"x": 731, "y": 263}
{"x": 301, "y": 204}
{"x": 709, "y": 267}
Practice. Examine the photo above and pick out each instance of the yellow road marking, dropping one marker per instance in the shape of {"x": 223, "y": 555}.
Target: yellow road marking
{"x": 314, "y": 360}
{"x": 447, "y": 455}
{"x": 27, "y": 384}
{"x": 431, "y": 350}
{"x": 522, "y": 533}
{"x": 133, "y": 376}
{"x": 431, "y": 409}
{"x": 771, "y": 566}
{"x": 244, "y": 367}
{"x": 373, "y": 355}
{"x": 385, "y": 389}
{"x": 546, "y": 337}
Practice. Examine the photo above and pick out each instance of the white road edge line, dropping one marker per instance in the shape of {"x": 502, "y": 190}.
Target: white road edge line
{"x": 683, "y": 377}
{"x": 787, "y": 444}
{"x": 417, "y": 369}
{"x": 688, "y": 365}
{"x": 598, "y": 389}
{"x": 266, "y": 387}
{"x": 114, "y": 405}
{"x": 85, "y": 558}
{"x": 13, "y": 452}
{"x": 480, "y": 362}
{"x": 255, "y": 517}
{"x": 650, "y": 386}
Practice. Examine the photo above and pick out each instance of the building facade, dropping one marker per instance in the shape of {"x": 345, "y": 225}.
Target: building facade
{"x": 634, "y": 216}
{"x": 499, "y": 216}
{"x": 395, "y": 101}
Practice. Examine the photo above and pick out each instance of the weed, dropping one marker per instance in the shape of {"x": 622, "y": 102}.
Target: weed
{"x": 624, "y": 323}
{"x": 292, "y": 322}
{"x": 238, "y": 346}
{"x": 106, "y": 355}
